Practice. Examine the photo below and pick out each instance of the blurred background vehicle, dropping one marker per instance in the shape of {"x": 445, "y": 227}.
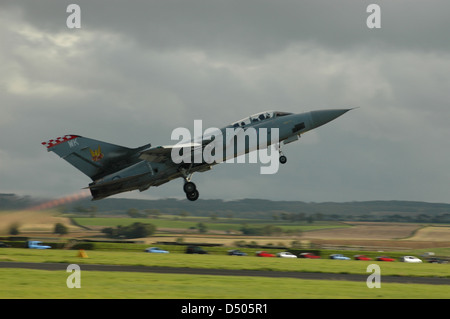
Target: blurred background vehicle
{"x": 361, "y": 257}
{"x": 156, "y": 250}
{"x": 36, "y": 244}
{"x": 384, "y": 258}
{"x": 236, "y": 252}
{"x": 339, "y": 257}
{"x": 286, "y": 254}
{"x": 264, "y": 254}
{"x": 195, "y": 250}
{"x": 309, "y": 255}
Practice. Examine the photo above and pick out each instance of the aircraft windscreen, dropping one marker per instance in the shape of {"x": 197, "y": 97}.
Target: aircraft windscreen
{"x": 259, "y": 117}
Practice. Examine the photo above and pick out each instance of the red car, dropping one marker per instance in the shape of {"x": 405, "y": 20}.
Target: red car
{"x": 362, "y": 257}
{"x": 308, "y": 255}
{"x": 385, "y": 258}
{"x": 264, "y": 254}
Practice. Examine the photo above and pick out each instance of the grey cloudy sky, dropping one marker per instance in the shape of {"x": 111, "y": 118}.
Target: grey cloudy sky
{"x": 138, "y": 69}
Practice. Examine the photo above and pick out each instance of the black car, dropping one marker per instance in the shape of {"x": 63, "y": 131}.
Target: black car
{"x": 3, "y": 245}
{"x": 195, "y": 250}
{"x": 436, "y": 260}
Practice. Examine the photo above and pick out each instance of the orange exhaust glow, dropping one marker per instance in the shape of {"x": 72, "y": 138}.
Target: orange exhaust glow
{"x": 61, "y": 201}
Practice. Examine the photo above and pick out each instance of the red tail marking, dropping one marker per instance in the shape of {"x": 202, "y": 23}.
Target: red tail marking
{"x": 59, "y": 140}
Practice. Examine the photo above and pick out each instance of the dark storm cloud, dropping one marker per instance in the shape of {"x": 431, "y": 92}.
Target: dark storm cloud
{"x": 138, "y": 69}
{"x": 255, "y": 27}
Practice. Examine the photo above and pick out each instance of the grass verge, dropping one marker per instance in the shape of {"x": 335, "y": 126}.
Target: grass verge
{"x": 42, "y": 284}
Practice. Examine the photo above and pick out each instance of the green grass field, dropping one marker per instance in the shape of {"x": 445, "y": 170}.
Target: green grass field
{"x": 22, "y": 283}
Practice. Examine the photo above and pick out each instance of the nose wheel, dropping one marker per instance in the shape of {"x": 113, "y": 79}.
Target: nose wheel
{"x": 282, "y": 158}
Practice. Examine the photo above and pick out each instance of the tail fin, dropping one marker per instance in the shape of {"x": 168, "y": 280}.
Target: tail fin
{"x": 94, "y": 158}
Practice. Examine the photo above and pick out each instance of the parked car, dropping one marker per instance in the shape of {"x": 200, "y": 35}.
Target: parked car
{"x": 195, "y": 250}
{"x": 35, "y": 244}
{"x": 410, "y": 259}
{"x": 309, "y": 255}
{"x": 436, "y": 260}
{"x": 339, "y": 257}
{"x": 384, "y": 258}
{"x": 156, "y": 250}
{"x": 264, "y": 254}
{"x": 286, "y": 254}
{"x": 236, "y": 252}
{"x": 3, "y": 245}
{"x": 361, "y": 257}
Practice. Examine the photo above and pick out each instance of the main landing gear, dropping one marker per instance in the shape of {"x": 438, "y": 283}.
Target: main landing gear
{"x": 191, "y": 191}
{"x": 189, "y": 188}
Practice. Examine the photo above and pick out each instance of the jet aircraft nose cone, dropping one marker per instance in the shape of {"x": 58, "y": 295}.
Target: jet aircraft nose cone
{"x": 322, "y": 117}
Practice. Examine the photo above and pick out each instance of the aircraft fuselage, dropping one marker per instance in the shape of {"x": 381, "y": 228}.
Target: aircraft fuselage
{"x": 115, "y": 169}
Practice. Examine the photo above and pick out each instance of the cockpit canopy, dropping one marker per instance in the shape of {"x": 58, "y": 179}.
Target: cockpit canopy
{"x": 259, "y": 117}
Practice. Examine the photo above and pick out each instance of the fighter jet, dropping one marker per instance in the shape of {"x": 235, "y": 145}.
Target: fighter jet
{"x": 114, "y": 169}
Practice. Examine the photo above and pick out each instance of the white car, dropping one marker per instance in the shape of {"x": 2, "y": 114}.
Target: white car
{"x": 410, "y": 259}
{"x": 286, "y": 254}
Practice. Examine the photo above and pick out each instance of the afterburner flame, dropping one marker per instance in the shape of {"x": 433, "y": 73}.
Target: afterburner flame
{"x": 61, "y": 201}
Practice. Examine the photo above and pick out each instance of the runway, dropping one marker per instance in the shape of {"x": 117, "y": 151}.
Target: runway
{"x": 229, "y": 272}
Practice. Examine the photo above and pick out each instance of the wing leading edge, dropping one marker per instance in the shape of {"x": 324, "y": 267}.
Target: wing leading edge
{"x": 163, "y": 154}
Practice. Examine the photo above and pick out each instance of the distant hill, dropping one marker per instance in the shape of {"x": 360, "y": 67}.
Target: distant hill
{"x": 171, "y": 205}
{"x": 13, "y": 201}
{"x": 259, "y": 208}
{"x": 400, "y": 211}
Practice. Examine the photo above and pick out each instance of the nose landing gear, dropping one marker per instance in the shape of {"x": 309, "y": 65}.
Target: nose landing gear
{"x": 283, "y": 159}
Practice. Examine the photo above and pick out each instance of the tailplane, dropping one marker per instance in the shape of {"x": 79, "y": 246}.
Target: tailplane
{"x": 92, "y": 157}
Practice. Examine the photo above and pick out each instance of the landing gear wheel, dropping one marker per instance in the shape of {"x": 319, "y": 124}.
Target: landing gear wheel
{"x": 283, "y": 159}
{"x": 193, "y": 196}
{"x": 189, "y": 187}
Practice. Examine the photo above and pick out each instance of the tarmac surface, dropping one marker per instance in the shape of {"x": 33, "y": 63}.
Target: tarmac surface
{"x": 229, "y": 272}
